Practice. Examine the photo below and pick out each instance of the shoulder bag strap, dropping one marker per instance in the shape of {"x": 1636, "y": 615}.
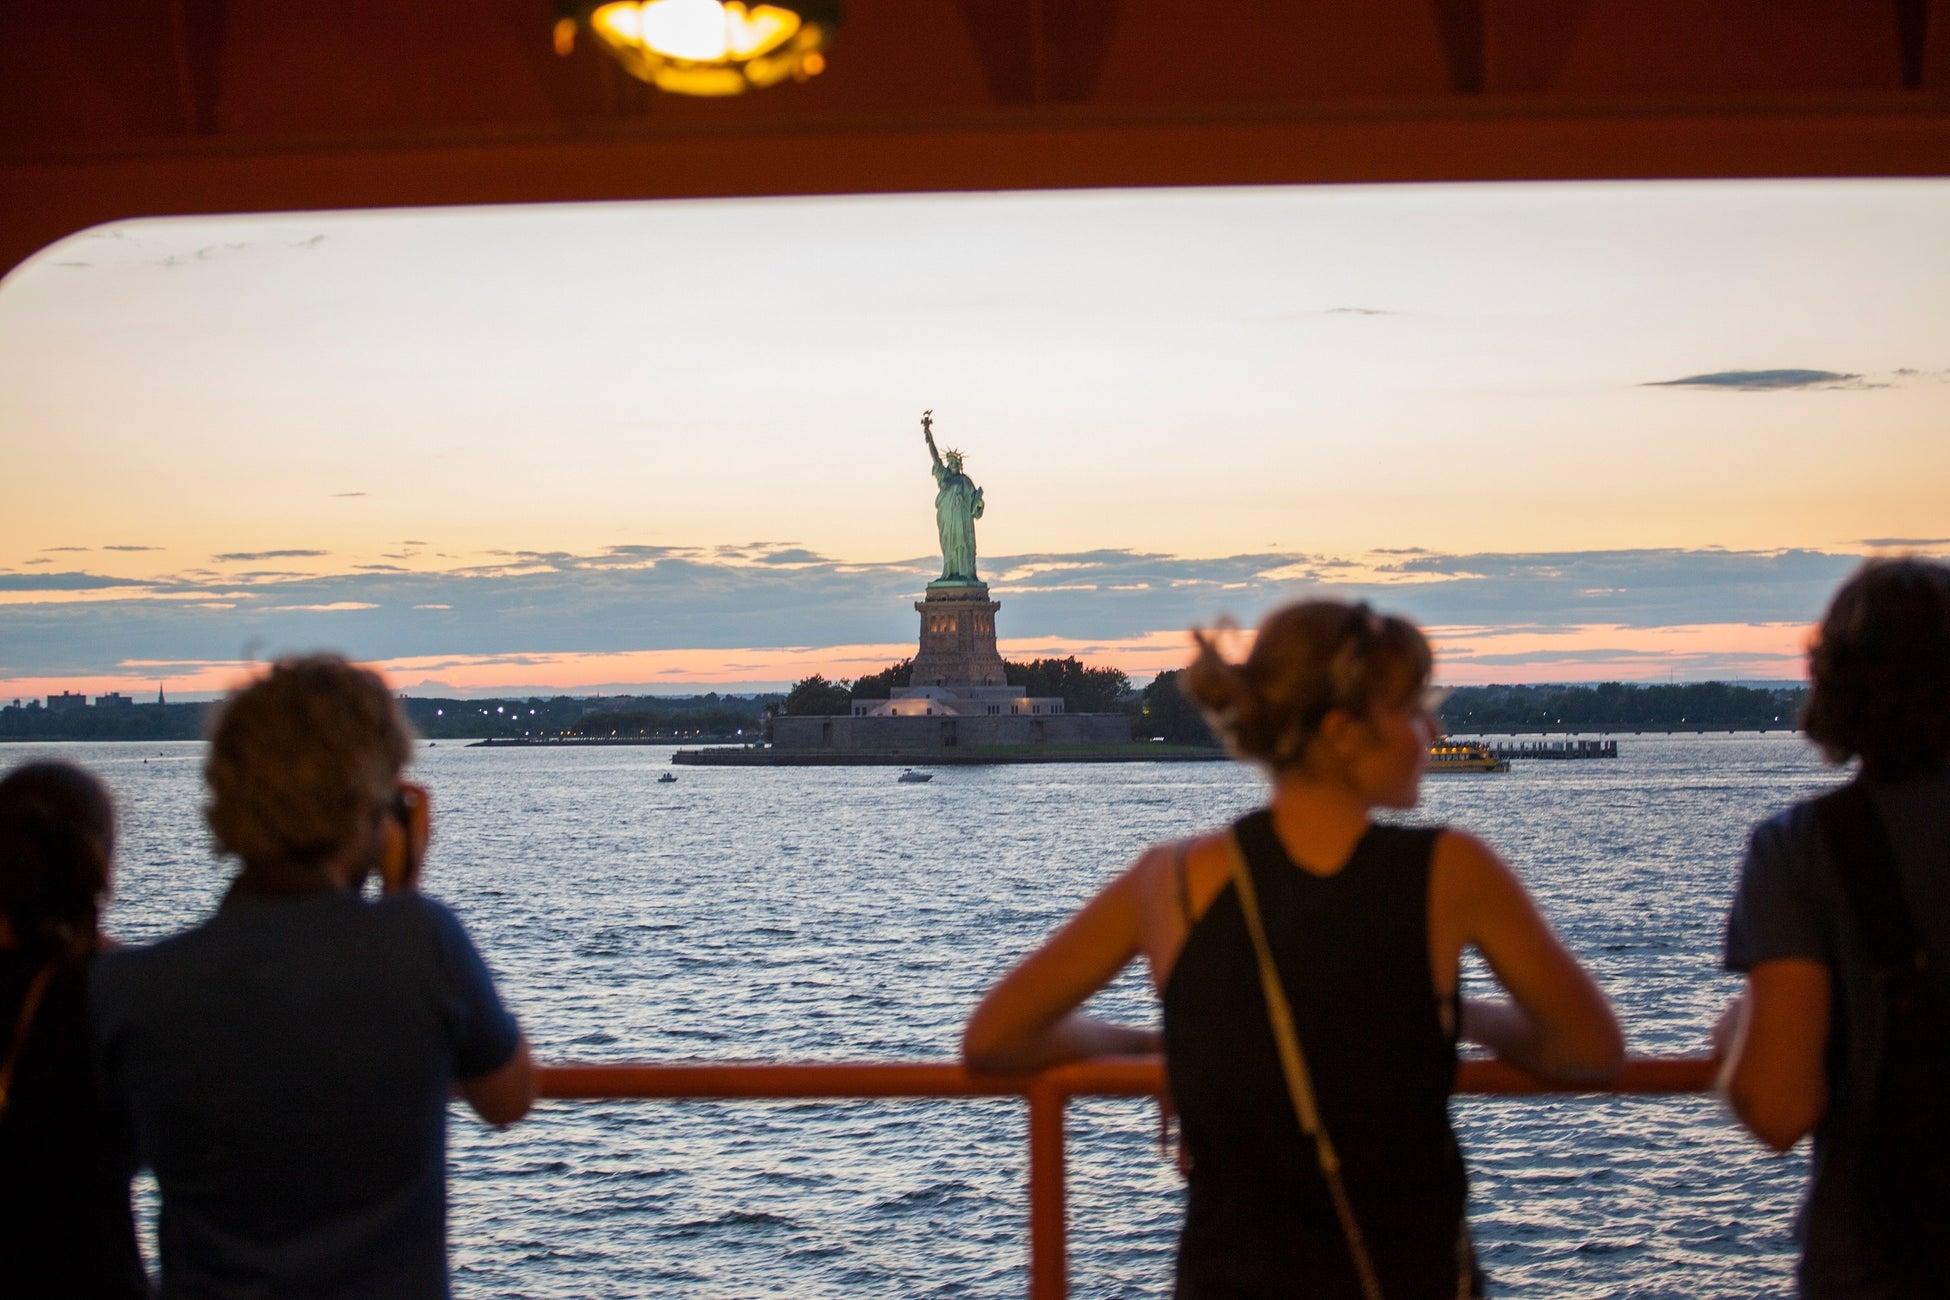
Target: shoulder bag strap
{"x": 1299, "y": 1084}
{"x": 29, "y": 1004}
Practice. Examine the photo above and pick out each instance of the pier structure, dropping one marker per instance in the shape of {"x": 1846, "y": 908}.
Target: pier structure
{"x": 1560, "y": 749}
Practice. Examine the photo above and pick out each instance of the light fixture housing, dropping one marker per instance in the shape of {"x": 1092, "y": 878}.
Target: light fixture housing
{"x": 708, "y": 47}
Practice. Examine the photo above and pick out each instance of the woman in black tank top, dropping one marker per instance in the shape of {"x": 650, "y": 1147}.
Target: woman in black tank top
{"x": 1365, "y": 926}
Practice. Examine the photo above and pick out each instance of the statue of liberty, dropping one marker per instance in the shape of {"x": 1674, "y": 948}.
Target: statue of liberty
{"x": 957, "y": 505}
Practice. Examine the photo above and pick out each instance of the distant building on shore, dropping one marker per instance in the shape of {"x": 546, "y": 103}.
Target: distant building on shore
{"x": 66, "y": 700}
{"x": 113, "y": 700}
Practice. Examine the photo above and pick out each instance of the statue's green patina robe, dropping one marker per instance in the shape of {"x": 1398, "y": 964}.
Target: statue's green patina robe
{"x": 957, "y": 505}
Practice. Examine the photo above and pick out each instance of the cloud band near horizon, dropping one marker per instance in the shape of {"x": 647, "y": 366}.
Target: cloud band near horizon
{"x": 761, "y": 614}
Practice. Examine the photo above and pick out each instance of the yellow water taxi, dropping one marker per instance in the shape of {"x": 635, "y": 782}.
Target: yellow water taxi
{"x": 1447, "y": 755}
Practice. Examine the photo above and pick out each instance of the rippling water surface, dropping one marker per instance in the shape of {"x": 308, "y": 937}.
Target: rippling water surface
{"x": 834, "y": 914}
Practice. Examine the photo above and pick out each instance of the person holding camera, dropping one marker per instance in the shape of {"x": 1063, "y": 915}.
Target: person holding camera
{"x": 284, "y": 1067}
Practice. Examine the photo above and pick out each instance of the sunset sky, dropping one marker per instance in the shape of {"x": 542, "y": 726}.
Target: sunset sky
{"x": 1582, "y": 431}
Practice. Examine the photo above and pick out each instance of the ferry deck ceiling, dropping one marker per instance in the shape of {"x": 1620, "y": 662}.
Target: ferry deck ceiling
{"x": 118, "y": 109}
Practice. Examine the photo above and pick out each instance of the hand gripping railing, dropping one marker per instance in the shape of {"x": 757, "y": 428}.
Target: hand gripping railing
{"x": 1046, "y": 1093}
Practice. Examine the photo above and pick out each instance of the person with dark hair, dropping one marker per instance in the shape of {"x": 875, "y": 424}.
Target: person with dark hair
{"x": 1308, "y": 961}
{"x": 285, "y": 1066}
{"x": 1841, "y": 925}
{"x": 65, "y": 1226}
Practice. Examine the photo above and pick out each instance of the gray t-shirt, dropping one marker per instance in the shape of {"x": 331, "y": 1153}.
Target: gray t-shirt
{"x": 285, "y": 1069}
{"x": 1791, "y": 904}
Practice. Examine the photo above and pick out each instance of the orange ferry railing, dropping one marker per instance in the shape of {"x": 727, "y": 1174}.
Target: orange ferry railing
{"x": 1046, "y": 1093}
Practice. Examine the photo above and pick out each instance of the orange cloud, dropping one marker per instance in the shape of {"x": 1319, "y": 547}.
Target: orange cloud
{"x": 663, "y": 670}
{"x": 1465, "y": 656}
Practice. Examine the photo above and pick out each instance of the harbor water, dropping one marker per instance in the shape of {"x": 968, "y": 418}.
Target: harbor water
{"x": 836, "y": 914}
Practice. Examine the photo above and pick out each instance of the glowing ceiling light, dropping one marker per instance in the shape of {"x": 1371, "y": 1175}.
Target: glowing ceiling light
{"x": 708, "y": 47}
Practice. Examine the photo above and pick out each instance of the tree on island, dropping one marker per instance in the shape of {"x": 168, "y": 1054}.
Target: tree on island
{"x": 1165, "y": 712}
{"x": 1082, "y": 689}
{"x": 880, "y": 685}
{"x": 815, "y": 696}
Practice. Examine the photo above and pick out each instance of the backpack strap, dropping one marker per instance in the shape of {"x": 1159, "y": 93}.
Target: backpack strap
{"x": 1906, "y": 1134}
{"x": 1867, "y": 867}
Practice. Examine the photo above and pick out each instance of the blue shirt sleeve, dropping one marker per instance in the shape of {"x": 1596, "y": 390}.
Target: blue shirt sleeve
{"x": 484, "y": 1033}
{"x": 1776, "y": 913}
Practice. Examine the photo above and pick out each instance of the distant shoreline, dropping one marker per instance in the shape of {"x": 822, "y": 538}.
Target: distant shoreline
{"x": 1605, "y": 709}
{"x": 1153, "y": 751}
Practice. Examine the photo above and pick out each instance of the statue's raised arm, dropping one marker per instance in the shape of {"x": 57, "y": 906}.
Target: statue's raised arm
{"x": 927, "y": 431}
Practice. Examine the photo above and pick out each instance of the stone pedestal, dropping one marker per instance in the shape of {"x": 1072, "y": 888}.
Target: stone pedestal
{"x": 957, "y": 637}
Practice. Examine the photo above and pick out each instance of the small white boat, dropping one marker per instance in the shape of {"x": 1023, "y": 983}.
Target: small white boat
{"x": 910, "y": 775}
{"x": 668, "y": 778}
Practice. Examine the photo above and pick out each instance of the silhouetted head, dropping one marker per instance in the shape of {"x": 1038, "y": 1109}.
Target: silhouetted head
{"x": 1307, "y": 660}
{"x": 952, "y": 459}
{"x": 57, "y": 839}
{"x": 302, "y": 762}
{"x": 1880, "y": 664}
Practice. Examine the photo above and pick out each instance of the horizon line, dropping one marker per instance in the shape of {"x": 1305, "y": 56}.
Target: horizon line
{"x": 752, "y": 690}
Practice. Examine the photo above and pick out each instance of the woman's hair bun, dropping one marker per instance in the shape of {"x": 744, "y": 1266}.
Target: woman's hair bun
{"x": 1307, "y": 660}
{"x": 1209, "y": 681}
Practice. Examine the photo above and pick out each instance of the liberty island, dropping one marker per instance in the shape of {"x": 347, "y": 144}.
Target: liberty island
{"x": 957, "y": 705}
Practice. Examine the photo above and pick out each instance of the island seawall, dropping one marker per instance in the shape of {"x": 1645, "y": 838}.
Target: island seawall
{"x": 960, "y": 756}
